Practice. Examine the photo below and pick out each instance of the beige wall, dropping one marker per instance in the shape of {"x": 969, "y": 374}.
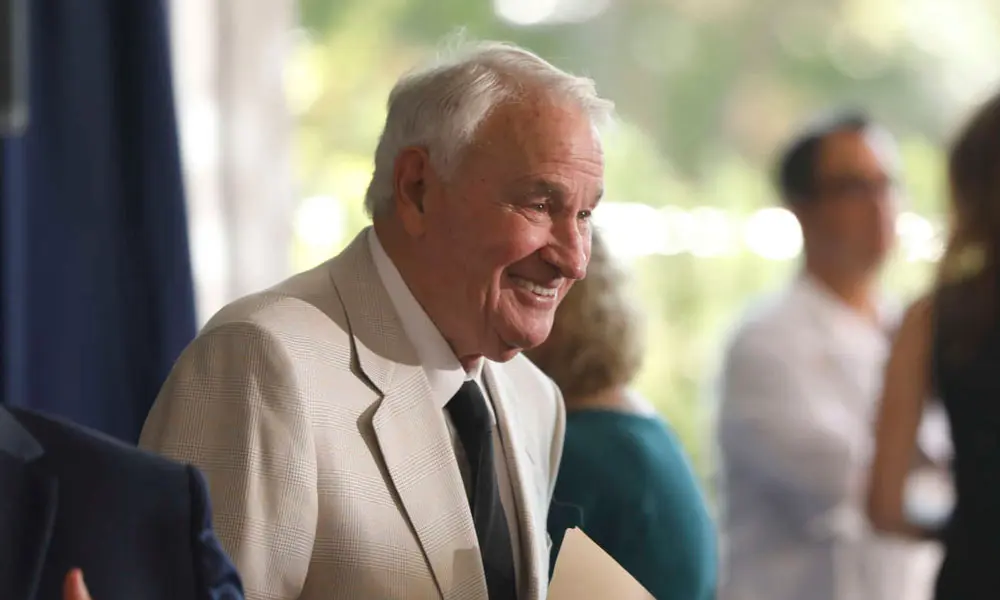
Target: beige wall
{"x": 229, "y": 59}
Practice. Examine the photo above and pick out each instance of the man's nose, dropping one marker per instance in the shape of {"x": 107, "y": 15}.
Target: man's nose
{"x": 567, "y": 251}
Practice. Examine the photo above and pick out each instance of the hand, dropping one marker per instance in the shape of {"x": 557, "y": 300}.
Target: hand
{"x": 73, "y": 586}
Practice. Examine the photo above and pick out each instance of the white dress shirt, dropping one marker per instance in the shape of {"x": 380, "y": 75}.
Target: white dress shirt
{"x": 446, "y": 375}
{"x": 799, "y": 394}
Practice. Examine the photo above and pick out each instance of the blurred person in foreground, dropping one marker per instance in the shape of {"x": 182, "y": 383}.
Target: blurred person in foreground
{"x": 799, "y": 387}
{"x": 76, "y": 505}
{"x": 949, "y": 348}
{"x": 369, "y": 428}
{"x": 625, "y": 479}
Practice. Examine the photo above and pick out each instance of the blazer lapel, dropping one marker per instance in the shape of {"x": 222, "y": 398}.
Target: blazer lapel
{"x": 411, "y": 432}
{"x": 519, "y": 465}
{"x": 27, "y": 510}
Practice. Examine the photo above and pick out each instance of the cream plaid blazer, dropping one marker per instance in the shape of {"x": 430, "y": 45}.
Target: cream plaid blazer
{"x": 331, "y": 474}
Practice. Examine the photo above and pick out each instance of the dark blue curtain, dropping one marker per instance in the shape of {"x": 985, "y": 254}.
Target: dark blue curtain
{"x": 97, "y": 290}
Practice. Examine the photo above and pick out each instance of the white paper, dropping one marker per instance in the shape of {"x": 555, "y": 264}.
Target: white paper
{"x": 584, "y": 571}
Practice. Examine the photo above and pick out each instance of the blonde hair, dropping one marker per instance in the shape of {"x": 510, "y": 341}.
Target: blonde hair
{"x": 597, "y": 336}
{"x": 968, "y": 284}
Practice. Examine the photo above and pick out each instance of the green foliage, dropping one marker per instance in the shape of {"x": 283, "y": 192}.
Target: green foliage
{"x": 706, "y": 93}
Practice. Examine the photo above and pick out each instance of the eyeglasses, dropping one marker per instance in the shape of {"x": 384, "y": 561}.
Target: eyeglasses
{"x": 857, "y": 188}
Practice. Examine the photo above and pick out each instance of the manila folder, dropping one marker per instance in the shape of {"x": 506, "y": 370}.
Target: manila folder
{"x": 584, "y": 571}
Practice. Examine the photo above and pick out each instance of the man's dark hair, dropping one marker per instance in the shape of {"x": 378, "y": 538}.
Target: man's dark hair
{"x": 796, "y": 172}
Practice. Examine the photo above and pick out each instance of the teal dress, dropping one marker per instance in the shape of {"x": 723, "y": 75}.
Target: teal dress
{"x": 627, "y": 483}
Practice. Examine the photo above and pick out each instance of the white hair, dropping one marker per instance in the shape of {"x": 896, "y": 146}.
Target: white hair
{"x": 440, "y": 106}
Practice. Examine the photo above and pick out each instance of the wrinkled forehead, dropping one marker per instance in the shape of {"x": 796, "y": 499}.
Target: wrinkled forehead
{"x": 871, "y": 152}
{"x": 538, "y": 130}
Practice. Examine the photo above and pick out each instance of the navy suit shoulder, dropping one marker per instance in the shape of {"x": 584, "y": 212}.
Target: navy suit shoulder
{"x": 70, "y": 447}
{"x": 139, "y": 525}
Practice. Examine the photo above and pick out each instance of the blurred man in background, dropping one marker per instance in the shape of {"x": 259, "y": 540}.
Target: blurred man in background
{"x": 799, "y": 384}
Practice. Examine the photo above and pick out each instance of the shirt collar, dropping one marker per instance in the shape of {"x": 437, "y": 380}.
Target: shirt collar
{"x": 837, "y": 311}
{"x": 444, "y": 372}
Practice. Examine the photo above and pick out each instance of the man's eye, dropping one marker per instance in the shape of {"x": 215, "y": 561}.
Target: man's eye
{"x": 585, "y": 215}
{"x": 539, "y": 206}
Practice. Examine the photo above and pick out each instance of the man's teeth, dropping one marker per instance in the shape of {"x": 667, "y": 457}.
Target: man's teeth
{"x": 535, "y": 288}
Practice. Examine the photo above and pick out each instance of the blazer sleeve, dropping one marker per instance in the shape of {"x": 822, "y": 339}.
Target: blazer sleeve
{"x": 770, "y": 427}
{"x": 215, "y": 575}
{"x": 234, "y": 407}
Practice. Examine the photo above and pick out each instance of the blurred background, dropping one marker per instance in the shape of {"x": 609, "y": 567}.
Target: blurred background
{"x": 280, "y": 105}
{"x": 164, "y": 158}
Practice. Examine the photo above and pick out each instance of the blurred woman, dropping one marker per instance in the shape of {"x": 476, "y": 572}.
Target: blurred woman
{"x": 624, "y": 478}
{"x": 949, "y": 347}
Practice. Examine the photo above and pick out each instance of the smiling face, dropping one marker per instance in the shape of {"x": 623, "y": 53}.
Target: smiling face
{"x": 496, "y": 246}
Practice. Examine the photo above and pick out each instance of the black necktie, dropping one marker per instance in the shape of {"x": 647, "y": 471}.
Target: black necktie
{"x": 472, "y": 421}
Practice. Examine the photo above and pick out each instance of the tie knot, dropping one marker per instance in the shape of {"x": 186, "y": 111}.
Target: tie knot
{"x": 468, "y": 410}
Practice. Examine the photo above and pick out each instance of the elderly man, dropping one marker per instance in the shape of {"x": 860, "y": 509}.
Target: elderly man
{"x": 368, "y": 428}
{"x": 800, "y": 383}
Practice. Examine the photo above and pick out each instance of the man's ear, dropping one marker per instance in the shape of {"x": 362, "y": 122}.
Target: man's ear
{"x": 410, "y": 184}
